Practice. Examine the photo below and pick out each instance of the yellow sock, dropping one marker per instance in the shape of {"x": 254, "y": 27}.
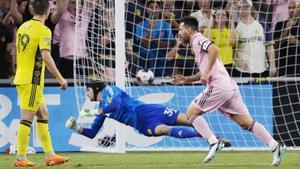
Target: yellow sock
{"x": 44, "y": 135}
{"x": 23, "y": 137}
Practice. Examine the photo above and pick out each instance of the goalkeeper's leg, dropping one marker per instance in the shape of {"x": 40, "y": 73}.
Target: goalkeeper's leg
{"x": 178, "y": 132}
{"x": 183, "y": 121}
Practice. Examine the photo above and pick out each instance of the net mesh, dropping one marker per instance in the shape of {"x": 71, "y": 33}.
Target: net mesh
{"x": 257, "y": 42}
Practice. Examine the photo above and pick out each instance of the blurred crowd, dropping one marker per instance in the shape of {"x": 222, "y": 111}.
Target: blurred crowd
{"x": 256, "y": 38}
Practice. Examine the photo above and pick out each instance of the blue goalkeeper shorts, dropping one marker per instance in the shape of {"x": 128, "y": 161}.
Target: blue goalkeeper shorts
{"x": 151, "y": 115}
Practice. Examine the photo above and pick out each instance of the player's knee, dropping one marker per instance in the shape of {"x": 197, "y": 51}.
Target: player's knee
{"x": 188, "y": 115}
{"x": 191, "y": 112}
{"x": 244, "y": 126}
{"x": 248, "y": 125}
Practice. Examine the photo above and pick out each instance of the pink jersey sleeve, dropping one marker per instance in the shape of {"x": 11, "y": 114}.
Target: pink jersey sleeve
{"x": 218, "y": 75}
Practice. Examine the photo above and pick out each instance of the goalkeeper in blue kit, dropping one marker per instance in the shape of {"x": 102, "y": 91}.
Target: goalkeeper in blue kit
{"x": 148, "y": 119}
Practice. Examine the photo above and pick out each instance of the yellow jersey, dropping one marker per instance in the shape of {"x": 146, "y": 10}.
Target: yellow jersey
{"x": 32, "y": 37}
{"x": 222, "y": 41}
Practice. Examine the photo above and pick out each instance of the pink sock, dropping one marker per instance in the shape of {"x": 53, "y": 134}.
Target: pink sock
{"x": 202, "y": 128}
{"x": 260, "y": 132}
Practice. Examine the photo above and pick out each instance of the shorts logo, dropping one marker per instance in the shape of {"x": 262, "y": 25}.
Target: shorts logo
{"x": 205, "y": 96}
{"x": 108, "y": 100}
{"x": 149, "y": 131}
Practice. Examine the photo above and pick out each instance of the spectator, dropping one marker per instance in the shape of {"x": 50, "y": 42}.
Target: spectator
{"x": 204, "y": 15}
{"x": 67, "y": 31}
{"x": 264, "y": 10}
{"x": 101, "y": 41}
{"x": 250, "y": 58}
{"x": 54, "y": 15}
{"x": 224, "y": 37}
{"x": 280, "y": 11}
{"x": 5, "y": 38}
{"x": 107, "y": 52}
{"x": 287, "y": 39}
{"x": 154, "y": 36}
{"x": 12, "y": 19}
{"x": 134, "y": 14}
{"x": 183, "y": 58}
{"x": 232, "y": 7}
{"x": 172, "y": 15}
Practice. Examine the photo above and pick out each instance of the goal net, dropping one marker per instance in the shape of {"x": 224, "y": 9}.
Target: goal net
{"x": 258, "y": 47}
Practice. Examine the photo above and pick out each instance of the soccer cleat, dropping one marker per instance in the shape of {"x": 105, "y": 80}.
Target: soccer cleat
{"x": 227, "y": 143}
{"x": 213, "y": 150}
{"x": 71, "y": 123}
{"x": 56, "y": 160}
{"x": 278, "y": 153}
{"x": 25, "y": 163}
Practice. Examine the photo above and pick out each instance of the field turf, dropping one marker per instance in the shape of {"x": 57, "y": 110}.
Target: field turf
{"x": 165, "y": 160}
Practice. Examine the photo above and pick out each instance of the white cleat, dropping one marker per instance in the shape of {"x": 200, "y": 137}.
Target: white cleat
{"x": 278, "y": 153}
{"x": 213, "y": 151}
{"x": 71, "y": 123}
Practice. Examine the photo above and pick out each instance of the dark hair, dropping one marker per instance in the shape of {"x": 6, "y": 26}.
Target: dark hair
{"x": 97, "y": 87}
{"x": 190, "y": 21}
{"x": 40, "y": 7}
{"x": 154, "y": 1}
{"x": 215, "y": 14}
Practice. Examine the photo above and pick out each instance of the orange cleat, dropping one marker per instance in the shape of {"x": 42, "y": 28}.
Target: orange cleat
{"x": 56, "y": 160}
{"x": 25, "y": 163}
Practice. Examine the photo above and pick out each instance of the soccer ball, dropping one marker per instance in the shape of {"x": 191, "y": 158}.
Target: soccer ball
{"x": 145, "y": 76}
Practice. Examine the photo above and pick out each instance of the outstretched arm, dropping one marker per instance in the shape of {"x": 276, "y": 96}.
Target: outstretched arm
{"x": 96, "y": 126}
{"x": 99, "y": 120}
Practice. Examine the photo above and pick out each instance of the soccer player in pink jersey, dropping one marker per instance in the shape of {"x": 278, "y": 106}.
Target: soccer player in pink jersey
{"x": 221, "y": 93}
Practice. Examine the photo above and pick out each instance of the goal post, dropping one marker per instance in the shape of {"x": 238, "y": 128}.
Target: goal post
{"x": 120, "y": 63}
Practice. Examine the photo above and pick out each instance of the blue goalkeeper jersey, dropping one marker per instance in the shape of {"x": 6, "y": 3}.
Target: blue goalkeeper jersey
{"x": 118, "y": 105}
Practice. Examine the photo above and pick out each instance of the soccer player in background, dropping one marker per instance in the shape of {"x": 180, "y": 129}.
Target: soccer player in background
{"x": 221, "y": 93}
{"x": 33, "y": 53}
{"x": 148, "y": 119}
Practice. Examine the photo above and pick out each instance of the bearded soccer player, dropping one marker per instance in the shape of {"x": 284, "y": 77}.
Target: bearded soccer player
{"x": 33, "y": 53}
{"x": 221, "y": 93}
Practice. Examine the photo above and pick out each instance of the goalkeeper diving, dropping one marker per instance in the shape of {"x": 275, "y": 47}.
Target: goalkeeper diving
{"x": 148, "y": 119}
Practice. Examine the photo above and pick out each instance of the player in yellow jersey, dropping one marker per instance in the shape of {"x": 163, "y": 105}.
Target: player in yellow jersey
{"x": 33, "y": 54}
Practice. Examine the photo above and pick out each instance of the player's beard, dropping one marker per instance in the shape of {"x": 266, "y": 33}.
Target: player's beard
{"x": 186, "y": 39}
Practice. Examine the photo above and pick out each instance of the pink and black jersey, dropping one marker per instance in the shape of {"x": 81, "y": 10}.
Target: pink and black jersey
{"x": 218, "y": 76}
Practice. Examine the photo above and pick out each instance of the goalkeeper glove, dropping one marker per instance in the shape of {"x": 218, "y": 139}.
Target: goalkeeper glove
{"x": 89, "y": 112}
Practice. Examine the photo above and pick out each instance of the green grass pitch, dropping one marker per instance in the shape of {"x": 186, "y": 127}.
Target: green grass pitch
{"x": 165, "y": 160}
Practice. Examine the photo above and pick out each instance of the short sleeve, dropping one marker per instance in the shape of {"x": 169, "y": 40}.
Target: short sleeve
{"x": 201, "y": 43}
{"x": 45, "y": 40}
{"x": 204, "y": 44}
